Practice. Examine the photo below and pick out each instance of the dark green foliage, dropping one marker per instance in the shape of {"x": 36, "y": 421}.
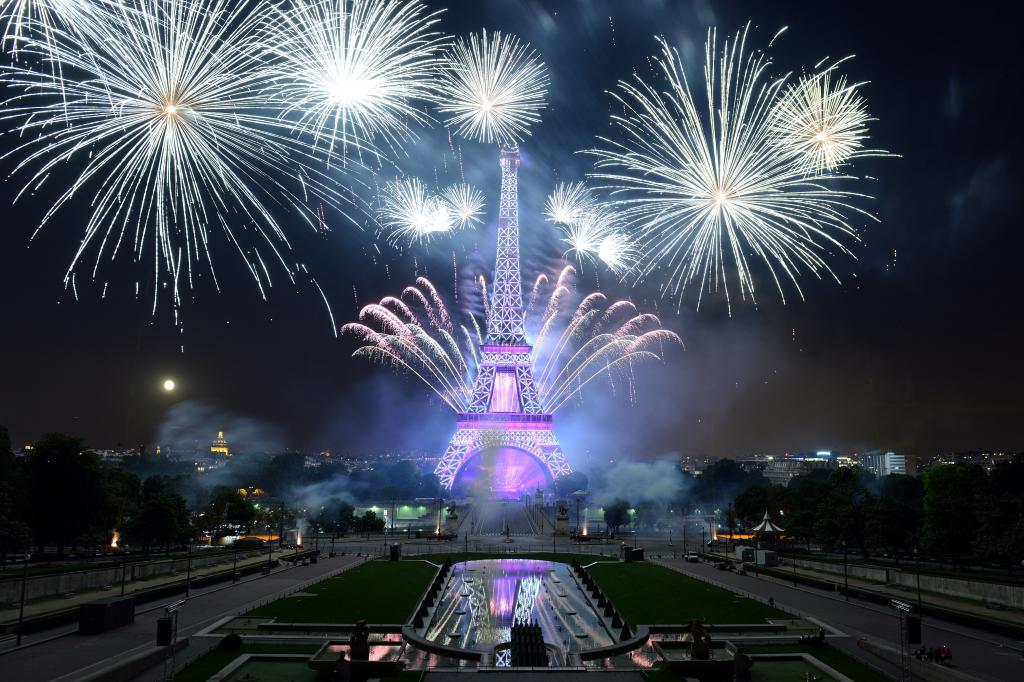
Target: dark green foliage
{"x": 616, "y": 514}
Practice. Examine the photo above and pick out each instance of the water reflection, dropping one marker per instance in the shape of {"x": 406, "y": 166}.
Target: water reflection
{"x": 484, "y": 599}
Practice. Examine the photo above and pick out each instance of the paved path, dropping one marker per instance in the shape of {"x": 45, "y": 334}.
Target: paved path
{"x": 77, "y": 656}
{"x": 56, "y": 603}
{"x": 984, "y": 655}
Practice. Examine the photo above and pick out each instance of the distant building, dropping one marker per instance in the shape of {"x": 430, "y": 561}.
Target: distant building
{"x": 220, "y": 446}
{"x": 781, "y": 470}
{"x": 885, "y": 463}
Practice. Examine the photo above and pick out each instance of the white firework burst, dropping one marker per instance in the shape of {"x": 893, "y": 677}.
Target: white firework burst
{"x": 466, "y": 204}
{"x": 348, "y": 72}
{"x": 165, "y": 127}
{"x": 493, "y": 87}
{"x": 701, "y": 185}
{"x": 569, "y": 202}
{"x": 824, "y": 121}
{"x": 410, "y": 212}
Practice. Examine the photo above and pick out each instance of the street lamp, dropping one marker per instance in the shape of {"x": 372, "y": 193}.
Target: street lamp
{"x": 917, "y": 562}
{"x": 846, "y": 577}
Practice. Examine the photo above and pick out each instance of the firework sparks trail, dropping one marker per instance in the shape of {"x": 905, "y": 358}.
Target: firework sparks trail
{"x": 591, "y": 231}
{"x": 350, "y": 72}
{"x": 574, "y": 345}
{"x": 24, "y": 18}
{"x": 704, "y": 185}
{"x": 493, "y": 87}
{"x": 164, "y": 118}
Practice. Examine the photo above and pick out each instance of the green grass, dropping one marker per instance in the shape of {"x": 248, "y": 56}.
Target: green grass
{"x": 649, "y": 594}
{"x": 828, "y": 655}
{"x": 214, "y": 660}
{"x": 377, "y": 592}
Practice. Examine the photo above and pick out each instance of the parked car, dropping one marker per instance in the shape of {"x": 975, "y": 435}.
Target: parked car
{"x": 692, "y": 557}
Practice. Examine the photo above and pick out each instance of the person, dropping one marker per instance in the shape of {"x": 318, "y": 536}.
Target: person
{"x": 771, "y": 602}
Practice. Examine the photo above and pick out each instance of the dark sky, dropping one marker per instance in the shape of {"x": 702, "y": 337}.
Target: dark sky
{"x": 918, "y": 349}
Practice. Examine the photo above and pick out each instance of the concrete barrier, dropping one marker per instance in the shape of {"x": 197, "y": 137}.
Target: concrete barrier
{"x": 1011, "y": 596}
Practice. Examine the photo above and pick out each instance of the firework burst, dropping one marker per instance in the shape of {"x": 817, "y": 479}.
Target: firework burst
{"x": 576, "y": 342}
{"x": 348, "y": 72}
{"x": 591, "y": 230}
{"x": 163, "y": 121}
{"x": 493, "y": 87}
{"x": 466, "y": 204}
{"x": 823, "y": 120}
{"x": 701, "y": 182}
{"x": 411, "y": 213}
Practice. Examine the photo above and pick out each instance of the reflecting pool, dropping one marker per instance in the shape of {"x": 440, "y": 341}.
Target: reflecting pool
{"x": 483, "y": 599}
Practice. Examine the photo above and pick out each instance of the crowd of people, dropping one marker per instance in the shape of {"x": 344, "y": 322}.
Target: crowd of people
{"x": 940, "y": 654}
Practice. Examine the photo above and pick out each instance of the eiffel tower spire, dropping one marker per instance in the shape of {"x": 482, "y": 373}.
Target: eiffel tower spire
{"x": 505, "y": 323}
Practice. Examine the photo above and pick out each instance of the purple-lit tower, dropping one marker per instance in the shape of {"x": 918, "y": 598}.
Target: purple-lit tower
{"x": 505, "y": 410}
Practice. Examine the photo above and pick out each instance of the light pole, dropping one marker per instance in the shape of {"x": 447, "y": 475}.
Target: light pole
{"x": 917, "y": 563}
{"x": 188, "y": 569}
{"x": 846, "y": 576}
{"x": 21, "y": 607}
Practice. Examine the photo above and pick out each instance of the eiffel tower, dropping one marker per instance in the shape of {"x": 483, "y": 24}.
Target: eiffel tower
{"x": 505, "y": 410}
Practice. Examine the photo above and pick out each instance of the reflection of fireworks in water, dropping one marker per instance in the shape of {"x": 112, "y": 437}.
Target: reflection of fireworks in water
{"x": 573, "y": 346}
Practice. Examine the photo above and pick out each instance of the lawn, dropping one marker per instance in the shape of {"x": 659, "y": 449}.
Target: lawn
{"x": 649, "y": 594}
{"x": 828, "y": 655}
{"x": 377, "y": 592}
{"x": 214, "y": 660}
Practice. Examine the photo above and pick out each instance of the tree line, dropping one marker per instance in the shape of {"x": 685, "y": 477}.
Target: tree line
{"x": 62, "y": 495}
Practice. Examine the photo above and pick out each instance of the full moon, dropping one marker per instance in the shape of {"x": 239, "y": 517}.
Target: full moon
{"x": 168, "y": 384}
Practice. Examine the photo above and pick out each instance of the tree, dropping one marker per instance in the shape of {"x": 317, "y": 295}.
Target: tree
{"x": 163, "y": 519}
{"x": 616, "y": 515}
{"x": 894, "y": 519}
{"x": 804, "y": 495}
{"x": 730, "y": 523}
{"x": 65, "y": 495}
{"x": 754, "y": 501}
{"x": 569, "y": 483}
{"x": 369, "y": 522}
{"x": 951, "y": 496}
{"x": 843, "y": 509}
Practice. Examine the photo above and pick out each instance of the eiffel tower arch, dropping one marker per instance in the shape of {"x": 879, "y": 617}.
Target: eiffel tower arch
{"x": 505, "y": 409}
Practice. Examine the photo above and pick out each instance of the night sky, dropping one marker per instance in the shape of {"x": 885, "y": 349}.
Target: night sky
{"x": 918, "y": 349}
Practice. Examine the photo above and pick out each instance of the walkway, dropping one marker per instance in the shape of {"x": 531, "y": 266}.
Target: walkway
{"x": 76, "y": 657}
{"x": 986, "y": 656}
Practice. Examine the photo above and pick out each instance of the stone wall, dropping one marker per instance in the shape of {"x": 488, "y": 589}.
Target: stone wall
{"x": 56, "y": 584}
{"x": 1011, "y": 596}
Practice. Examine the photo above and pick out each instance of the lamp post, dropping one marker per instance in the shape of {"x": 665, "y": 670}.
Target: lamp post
{"x": 188, "y": 569}
{"x": 917, "y": 564}
{"x": 21, "y": 606}
{"x": 846, "y": 576}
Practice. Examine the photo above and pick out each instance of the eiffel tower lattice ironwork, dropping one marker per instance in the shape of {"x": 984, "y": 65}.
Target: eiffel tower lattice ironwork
{"x": 505, "y": 409}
